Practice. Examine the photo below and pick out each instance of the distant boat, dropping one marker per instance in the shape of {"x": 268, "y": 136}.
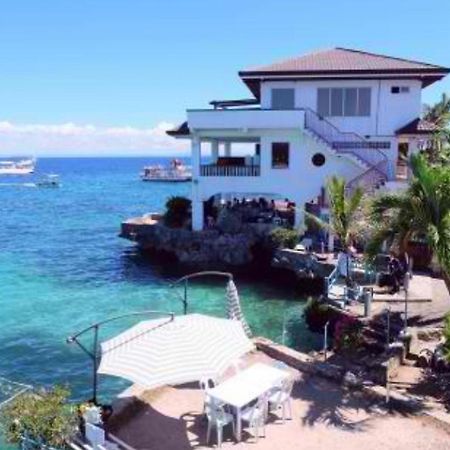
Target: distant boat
{"x": 49, "y": 180}
{"x": 21, "y": 167}
{"x": 176, "y": 171}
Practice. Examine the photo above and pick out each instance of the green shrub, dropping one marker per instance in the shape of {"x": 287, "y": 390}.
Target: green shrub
{"x": 178, "y": 212}
{"x": 317, "y": 314}
{"x": 284, "y": 237}
{"x": 446, "y": 333}
{"x": 45, "y": 417}
{"x": 347, "y": 334}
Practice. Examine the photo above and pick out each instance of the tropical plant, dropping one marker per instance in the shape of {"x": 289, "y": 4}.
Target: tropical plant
{"x": 317, "y": 313}
{"x": 178, "y": 211}
{"x": 284, "y": 237}
{"x": 347, "y": 334}
{"x": 343, "y": 210}
{"x": 446, "y": 333}
{"x": 423, "y": 212}
{"x": 439, "y": 113}
{"x": 44, "y": 417}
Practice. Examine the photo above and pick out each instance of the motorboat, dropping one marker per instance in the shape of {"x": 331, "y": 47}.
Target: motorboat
{"x": 175, "y": 172}
{"x": 21, "y": 167}
{"x": 49, "y": 180}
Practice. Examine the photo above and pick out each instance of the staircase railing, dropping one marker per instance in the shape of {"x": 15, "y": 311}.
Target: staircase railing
{"x": 350, "y": 143}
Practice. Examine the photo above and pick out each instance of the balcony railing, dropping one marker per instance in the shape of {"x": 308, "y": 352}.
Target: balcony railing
{"x": 213, "y": 170}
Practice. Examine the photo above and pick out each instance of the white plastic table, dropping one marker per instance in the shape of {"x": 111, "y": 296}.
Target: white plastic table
{"x": 246, "y": 386}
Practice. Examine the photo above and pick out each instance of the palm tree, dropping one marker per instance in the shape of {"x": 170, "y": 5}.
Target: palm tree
{"x": 439, "y": 113}
{"x": 343, "y": 210}
{"x": 422, "y": 211}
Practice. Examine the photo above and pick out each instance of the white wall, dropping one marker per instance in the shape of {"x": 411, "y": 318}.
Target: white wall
{"x": 301, "y": 182}
{"x": 388, "y": 111}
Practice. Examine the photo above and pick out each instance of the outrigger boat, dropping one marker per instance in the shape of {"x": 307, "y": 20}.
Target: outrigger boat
{"x": 176, "y": 172}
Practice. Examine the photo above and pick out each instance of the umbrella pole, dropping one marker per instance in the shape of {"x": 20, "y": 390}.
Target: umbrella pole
{"x": 94, "y": 361}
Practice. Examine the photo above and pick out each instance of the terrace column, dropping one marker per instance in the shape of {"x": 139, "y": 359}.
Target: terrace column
{"x": 228, "y": 149}
{"x": 195, "y": 157}
{"x": 299, "y": 219}
{"x": 197, "y": 204}
{"x": 214, "y": 151}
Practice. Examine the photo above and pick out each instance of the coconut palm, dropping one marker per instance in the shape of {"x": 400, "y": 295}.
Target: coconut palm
{"x": 439, "y": 113}
{"x": 422, "y": 211}
{"x": 344, "y": 207}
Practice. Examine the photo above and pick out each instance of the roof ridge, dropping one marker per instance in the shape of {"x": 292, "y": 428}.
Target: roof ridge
{"x": 364, "y": 52}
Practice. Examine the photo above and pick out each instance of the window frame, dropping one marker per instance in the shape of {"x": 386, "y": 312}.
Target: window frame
{"x": 282, "y": 146}
{"x": 325, "y": 101}
{"x": 292, "y": 90}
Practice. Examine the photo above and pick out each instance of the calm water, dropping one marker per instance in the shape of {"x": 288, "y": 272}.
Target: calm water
{"x": 63, "y": 267}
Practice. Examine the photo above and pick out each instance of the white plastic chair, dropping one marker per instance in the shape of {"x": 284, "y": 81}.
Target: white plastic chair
{"x": 205, "y": 385}
{"x": 281, "y": 398}
{"x": 96, "y": 437}
{"x": 256, "y": 415}
{"x": 218, "y": 419}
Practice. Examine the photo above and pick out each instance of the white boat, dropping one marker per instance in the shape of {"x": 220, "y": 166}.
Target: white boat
{"x": 21, "y": 167}
{"x": 49, "y": 180}
{"x": 176, "y": 171}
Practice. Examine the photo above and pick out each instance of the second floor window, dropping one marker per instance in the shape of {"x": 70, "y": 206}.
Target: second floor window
{"x": 280, "y": 155}
{"x": 343, "y": 102}
{"x": 283, "y": 98}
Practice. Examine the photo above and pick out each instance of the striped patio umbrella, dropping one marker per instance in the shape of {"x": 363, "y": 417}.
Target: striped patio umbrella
{"x": 234, "y": 311}
{"x": 184, "y": 349}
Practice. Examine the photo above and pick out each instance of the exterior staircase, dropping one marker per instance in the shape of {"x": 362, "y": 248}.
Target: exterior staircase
{"x": 365, "y": 153}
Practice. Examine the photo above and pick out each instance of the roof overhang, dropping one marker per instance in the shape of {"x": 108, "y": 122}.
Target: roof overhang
{"x": 253, "y": 79}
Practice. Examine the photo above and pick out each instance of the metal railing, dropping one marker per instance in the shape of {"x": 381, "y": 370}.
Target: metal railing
{"x": 185, "y": 282}
{"x": 213, "y": 170}
{"x": 350, "y": 143}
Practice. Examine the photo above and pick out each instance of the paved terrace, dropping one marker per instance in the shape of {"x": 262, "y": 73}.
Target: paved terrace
{"x": 325, "y": 416}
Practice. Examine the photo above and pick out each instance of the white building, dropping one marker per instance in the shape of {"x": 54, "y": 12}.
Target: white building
{"x": 334, "y": 112}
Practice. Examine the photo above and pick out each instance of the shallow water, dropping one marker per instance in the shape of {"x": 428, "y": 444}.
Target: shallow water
{"x": 63, "y": 267}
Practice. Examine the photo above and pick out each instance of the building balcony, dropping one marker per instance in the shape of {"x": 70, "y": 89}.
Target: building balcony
{"x": 215, "y": 170}
{"x": 243, "y": 119}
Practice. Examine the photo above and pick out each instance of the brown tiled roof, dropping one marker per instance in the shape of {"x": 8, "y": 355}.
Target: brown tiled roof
{"x": 181, "y": 130}
{"x": 344, "y": 60}
{"x": 418, "y": 126}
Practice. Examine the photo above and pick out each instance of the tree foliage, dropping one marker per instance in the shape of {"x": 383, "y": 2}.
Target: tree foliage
{"x": 45, "y": 417}
{"x": 344, "y": 208}
{"x": 422, "y": 211}
{"x": 178, "y": 211}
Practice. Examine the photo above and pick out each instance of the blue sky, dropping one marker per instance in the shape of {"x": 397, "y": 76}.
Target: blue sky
{"x": 134, "y": 66}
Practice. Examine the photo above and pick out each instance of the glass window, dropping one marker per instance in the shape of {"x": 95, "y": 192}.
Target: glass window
{"x": 364, "y": 102}
{"x": 350, "y": 101}
{"x": 323, "y": 102}
{"x": 337, "y": 101}
{"x": 283, "y": 98}
{"x": 280, "y": 155}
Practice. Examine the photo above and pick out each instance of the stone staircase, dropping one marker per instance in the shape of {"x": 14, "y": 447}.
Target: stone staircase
{"x": 366, "y": 154}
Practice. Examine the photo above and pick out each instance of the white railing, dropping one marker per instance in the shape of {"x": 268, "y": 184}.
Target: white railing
{"x": 213, "y": 170}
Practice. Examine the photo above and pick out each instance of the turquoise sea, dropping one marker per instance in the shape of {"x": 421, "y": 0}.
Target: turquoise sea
{"x": 63, "y": 267}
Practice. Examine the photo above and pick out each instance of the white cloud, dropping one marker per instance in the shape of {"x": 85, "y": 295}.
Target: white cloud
{"x": 83, "y": 140}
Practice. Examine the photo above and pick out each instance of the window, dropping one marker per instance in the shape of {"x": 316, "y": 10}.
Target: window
{"x": 364, "y": 102}
{"x": 399, "y": 89}
{"x": 280, "y": 155}
{"x": 283, "y": 98}
{"x": 318, "y": 159}
{"x": 337, "y": 102}
{"x": 323, "y": 102}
